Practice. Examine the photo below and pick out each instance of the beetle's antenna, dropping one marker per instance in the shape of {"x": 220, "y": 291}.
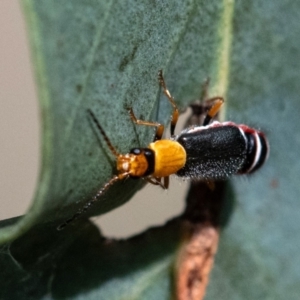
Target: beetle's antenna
{"x": 95, "y": 198}
{"x": 88, "y": 205}
{"x": 110, "y": 146}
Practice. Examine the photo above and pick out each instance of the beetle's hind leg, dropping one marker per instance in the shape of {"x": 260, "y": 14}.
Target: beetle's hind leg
{"x": 212, "y": 112}
{"x": 206, "y": 103}
{"x": 205, "y": 108}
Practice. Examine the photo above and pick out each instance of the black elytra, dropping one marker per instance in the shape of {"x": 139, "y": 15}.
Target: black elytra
{"x": 213, "y": 153}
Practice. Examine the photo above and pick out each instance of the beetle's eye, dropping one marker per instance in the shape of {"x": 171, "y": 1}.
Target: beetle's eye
{"x": 136, "y": 151}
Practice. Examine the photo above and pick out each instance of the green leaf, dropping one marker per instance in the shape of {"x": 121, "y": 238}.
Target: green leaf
{"x": 79, "y": 264}
{"x": 258, "y": 257}
{"x": 105, "y": 56}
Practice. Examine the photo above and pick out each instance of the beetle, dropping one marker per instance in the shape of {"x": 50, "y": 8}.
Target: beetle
{"x": 210, "y": 151}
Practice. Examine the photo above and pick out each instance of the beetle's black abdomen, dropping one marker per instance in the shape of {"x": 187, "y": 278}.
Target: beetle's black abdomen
{"x": 213, "y": 152}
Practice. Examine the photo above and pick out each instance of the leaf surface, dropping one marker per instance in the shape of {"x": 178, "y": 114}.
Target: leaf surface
{"x": 258, "y": 257}
{"x": 105, "y": 56}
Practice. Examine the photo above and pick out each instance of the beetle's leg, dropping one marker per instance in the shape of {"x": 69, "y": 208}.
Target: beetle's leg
{"x": 175, "y": 113}
{"x": 159, "y": 127}
{"x": 218, "y": 102}
{"x": 156, "y": 181}
{"x": 206, "y": 108}
{"x": 166, "y": 182}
